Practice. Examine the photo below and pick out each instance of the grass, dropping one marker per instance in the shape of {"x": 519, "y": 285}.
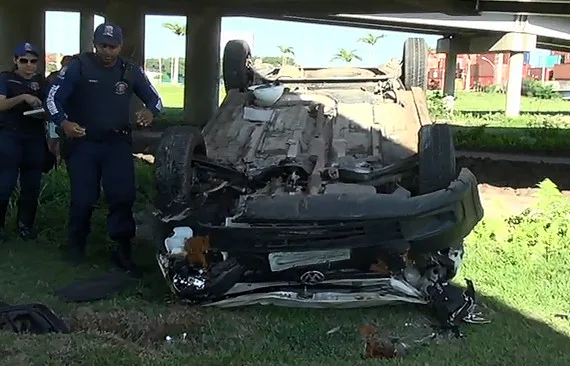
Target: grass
{"x": 479, "y": 123}
{"x": 519, "y": 265}
{"x": 495, "y": 102}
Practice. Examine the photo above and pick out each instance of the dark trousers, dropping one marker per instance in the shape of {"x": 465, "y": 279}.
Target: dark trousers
{"x": 111, "y": 163}
{"x": 22, "y": 155}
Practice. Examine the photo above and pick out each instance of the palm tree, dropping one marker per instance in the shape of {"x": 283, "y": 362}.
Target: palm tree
{"x": 346, "y": 55}
{"x": 371, "y": 39}
{"x": 285, "y": 51}
{"x": 180, "y": 31}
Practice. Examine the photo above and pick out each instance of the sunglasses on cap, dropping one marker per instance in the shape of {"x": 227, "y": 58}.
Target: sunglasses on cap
{"x": 24, "y": 61}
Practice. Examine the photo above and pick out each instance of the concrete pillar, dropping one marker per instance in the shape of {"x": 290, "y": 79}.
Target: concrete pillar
{"x": 132, "y": 22}
{"x": 86, "y": 27}
{"x": 468, "y": 74}
{"x": 514, "y": 84}
{"x": 498, "y": 70}
{"x": 450, "y": 72}
{"x": 21, "y": 24}
{"x": 202, "y": 67}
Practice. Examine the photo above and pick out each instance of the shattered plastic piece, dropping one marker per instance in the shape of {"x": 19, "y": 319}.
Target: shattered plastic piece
{"x": 377, "y": 346}
{"x": 452, "y": 306}
{"x": 334, "y": 330}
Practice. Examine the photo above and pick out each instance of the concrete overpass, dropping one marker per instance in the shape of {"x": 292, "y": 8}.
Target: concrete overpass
{"x": 25, "y": 21}
{"x": 485, "y": 33}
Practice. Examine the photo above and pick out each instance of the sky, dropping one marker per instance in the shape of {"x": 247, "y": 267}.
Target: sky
{"x": 313, "y": 44}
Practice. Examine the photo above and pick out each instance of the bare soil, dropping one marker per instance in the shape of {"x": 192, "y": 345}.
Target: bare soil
{"x": 509, "y": 187}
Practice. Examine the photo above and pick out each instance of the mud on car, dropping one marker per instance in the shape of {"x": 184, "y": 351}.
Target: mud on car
{"x": 313, "y": 187}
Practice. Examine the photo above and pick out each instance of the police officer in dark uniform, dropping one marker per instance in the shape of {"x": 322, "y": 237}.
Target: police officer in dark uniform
{"x": 22, "y": 138}
{"x": 90, "y": 101}
{"x": 64, "y": 61}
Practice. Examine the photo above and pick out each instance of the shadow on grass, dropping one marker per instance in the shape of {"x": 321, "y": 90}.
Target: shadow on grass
{"x": 540, "y": 140}
{"x": 516, "y": 174}
{"x": 130, "y": 330}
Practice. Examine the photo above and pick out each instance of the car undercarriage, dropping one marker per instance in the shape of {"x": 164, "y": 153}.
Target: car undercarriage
{"x": 338, "y": 193}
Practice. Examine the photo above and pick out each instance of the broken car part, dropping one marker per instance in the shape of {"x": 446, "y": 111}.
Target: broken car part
{"x": 30, "y": 318}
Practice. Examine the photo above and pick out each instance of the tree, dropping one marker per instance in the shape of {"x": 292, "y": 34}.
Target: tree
{"x": 346, "y": 56}
{"x": 180, "y": 31}
{"x": 285, "y": 52}
{"x": 277, "y": 61}
{"x": 371, "y": 39}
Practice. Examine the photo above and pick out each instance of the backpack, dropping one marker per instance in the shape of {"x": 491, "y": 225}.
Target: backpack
{"x": 31, "y": 318}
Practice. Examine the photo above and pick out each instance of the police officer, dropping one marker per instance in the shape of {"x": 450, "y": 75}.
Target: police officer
{"x": 22, "y": 138}
{"x": 90, "y": 101}
{"x": 64, "y": 61}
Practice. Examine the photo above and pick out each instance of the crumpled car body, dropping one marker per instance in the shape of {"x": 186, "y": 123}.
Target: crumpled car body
{"x": 337, "y": 195}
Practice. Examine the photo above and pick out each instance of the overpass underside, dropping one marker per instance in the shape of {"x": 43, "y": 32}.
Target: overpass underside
{"x": 26, "y": 22}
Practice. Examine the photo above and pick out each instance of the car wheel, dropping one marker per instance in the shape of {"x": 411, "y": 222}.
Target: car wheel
{"x": 437, "y": 160}
{"x": 237, "y": 73}
{"x": 414, "y": 63}
{"x": 173, "y": 173}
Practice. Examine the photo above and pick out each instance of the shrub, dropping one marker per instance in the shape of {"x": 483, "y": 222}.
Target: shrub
{"x": 535, "y": 88}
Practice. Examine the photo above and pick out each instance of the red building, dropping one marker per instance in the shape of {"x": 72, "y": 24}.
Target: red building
{"x": 562, "y": 70}
{"x": 473, "y": 71}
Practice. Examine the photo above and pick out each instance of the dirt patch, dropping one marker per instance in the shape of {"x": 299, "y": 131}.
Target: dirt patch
{"x": 516, "y": 174}
{"x": 136, "y": 326}
{"x": 506, "y": 201}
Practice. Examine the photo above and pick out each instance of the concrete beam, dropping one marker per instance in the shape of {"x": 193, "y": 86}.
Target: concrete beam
{"x": 509, "y": 42}
{"x": 202, "y": 68}
{"x": 86, "y": 26}
{"x": 21, "y": 24}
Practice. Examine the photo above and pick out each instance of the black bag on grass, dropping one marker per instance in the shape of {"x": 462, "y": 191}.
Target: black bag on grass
{"x": 30, "y": 318}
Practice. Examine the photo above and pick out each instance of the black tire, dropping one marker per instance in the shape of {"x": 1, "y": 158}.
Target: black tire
{"x": 437, "y": 160}
{"x": 414, "y": 63}
{"x": 173, "y": 173}
{"x": 236, "y": 72}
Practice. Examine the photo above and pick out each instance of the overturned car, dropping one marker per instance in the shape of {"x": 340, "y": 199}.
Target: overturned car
{"x": 313, "y": 188}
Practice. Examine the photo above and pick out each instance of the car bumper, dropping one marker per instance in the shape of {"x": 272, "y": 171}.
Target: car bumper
{"x": 425, "y": 223}
{"x": 373, "y": 292}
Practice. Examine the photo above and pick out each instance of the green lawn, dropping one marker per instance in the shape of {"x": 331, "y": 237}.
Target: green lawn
{"x": 173, "y": 95}
{"x": 495, "y": 102}
{"x": 519, "y": 265}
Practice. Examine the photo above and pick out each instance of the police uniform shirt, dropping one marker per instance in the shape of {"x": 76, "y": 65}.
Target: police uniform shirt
{"x": 97, "y": 97}
{"x": 12, "y": 85}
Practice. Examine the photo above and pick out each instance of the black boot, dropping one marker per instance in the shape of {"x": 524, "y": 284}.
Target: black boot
{"x": 3, "y": 210}
{"x": 26, "y": 216}
{"x": 77, "y": 250}
{"x": 122, "y": 258}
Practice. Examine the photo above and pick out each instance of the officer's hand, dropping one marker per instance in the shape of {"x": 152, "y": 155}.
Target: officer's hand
{"x": 32, "y": 101}
{"x": 53, "y": 146}
{"x": 72, "y": 129}
{"x": 144, "y": 117}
